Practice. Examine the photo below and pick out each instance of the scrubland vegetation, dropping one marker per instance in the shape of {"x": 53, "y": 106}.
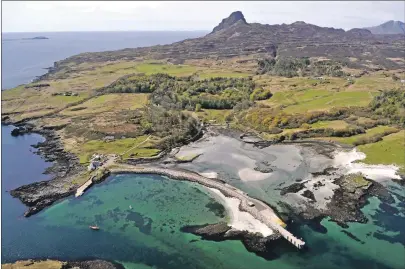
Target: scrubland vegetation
{"x": 288, "y": 98}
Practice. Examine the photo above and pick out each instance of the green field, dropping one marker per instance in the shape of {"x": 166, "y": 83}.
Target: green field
{"x": 388, "y": 151}
{"x": 369, "y": 133}
{"x": 174, "y": 70}
{"x": 301, "y": 101}
{"x": 108, "y": 103}
{"x": 217, "y": 115}
{"x": 334, "y": 124}
{"x": 119, "y": 147}
{"x": 215, "y": 74}
{"x": 337, "y": 99}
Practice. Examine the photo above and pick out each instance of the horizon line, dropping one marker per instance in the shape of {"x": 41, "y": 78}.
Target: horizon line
{"x": 75, "y": 31}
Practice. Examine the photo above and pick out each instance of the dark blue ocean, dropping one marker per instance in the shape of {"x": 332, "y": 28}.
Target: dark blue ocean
{"x": 148, "y": 235}
{"x": 23, "y": 60}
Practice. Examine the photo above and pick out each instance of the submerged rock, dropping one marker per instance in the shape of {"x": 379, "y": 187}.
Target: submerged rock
{"x": 309, "y": 194}
{"x": 263, "y": 167}
{"x": 293, "y": 188}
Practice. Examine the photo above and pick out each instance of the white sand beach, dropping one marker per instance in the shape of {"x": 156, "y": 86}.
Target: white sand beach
{"x": 379, "y": 173}
{"x": 240, "y": 220}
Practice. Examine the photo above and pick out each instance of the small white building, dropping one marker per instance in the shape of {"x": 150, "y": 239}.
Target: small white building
{"x": 93, "y": 165}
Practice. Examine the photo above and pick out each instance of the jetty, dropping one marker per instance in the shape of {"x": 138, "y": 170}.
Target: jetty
{"x": 85, "y": 186}
{"x": 255, "y": 207}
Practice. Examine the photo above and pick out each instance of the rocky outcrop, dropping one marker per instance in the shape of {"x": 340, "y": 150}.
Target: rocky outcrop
{"x": 235, "y": 17}
{"x": 65, "y": 168}
{"x": 346, "y": 202}
{"x": 255, "y": 243}
{"x": 234, "y": 37}
{"x": 263, "y": 167}
{"x": 55, "y": 264}
{"x": 309, "y": 194}
{"x": 93, "y": 264}
{"x": 21, "y": 130}
{"x": 293, "y": 188}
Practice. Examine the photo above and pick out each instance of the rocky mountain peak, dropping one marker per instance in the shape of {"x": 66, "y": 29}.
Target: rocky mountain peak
{"x": 299, "y": 23}
{"x": 389, "y": 27}
{"x": 235, "y": 17}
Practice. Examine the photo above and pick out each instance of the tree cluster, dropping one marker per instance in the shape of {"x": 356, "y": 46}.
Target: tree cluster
{"x": 186, "y": 93}
{"x": 391, "y": 105}
{"x": 292, "y": 67}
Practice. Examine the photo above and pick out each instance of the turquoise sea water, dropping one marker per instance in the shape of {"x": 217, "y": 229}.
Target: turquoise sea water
{"x": 148, "y": 235}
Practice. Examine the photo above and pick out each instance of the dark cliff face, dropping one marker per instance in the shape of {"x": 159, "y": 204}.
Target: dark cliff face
{"x": 235, "y": 17}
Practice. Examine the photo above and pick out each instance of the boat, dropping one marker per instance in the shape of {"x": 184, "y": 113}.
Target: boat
{"x": 94, "y": 228}
{"x": 130, "y": 207}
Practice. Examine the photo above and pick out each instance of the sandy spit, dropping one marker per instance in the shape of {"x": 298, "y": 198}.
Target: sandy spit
{"x": 240, "y": 220}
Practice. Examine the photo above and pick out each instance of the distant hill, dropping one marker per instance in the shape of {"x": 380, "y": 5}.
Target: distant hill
{"x": 35, "y": 38}
{"x": 235, "y": 38}
{"x": 388, "y": 28}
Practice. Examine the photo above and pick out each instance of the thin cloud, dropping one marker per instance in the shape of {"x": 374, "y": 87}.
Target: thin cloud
{"x": 45, "y": 16}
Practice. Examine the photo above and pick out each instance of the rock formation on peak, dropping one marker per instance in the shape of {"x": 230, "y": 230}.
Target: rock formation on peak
{"x": 235, "y": 17}
{"x": 235, "y": 38}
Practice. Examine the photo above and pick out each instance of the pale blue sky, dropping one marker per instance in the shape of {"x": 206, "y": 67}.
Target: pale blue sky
{"x": 46, "y": 16}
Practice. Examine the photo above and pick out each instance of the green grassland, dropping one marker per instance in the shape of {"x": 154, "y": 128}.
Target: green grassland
{"x": 135, "y": 146}
{"x": 90, "y": 116}
{"x": 221, "y": 73}
{"x": 388, "y": 151}
{"x": 170, "y": 69}
{"x": 357, "y": 180}
{"x": 334, "y": 124}
{"x": 109, "y": 102}
{"x": 318, "y": 100}
{"x": 369, "y": 133}
{"x": 213, "y": 115}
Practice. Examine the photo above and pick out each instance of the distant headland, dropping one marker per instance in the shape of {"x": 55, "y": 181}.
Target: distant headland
{"x": 35, "y": 38}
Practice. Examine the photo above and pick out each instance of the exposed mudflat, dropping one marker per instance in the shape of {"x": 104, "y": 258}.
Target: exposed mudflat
{"x": 297, "y": 177}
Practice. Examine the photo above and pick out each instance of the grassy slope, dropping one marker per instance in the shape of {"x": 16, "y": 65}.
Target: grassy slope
{"x": 369, "y": 133}
{"x": 109, "y": 102}
{"x": 119, "y": 146}
{"x": 391, "y": 150}
{"x": 217, "y": 115}
{"x": 334, "y": 124}
{"x": 174, "y": 70}
{"x": 110, "y": 113}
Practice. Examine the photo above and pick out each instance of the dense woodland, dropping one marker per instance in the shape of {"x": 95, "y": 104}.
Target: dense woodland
{"x": 189, "y": 93}
{"x": 169, "y": 95}
{"x": 176, "y": 126}
{"x": 292, "y": 67}
{"x": 390, "y": 104}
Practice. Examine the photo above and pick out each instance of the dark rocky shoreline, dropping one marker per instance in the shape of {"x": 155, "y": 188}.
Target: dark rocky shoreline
{"x": 88, "y": 263}
{"x": 345, "y": 205}
{"x": 256, "y": 243}
{"x": 93, "y": 264}
{"x": 39, "y": 195}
